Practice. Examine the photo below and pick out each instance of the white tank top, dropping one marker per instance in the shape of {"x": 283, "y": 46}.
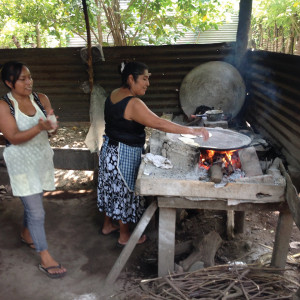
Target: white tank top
{"x": 30, "y": 164}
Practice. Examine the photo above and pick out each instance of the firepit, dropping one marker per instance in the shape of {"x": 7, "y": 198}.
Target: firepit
{"x": 197, "y": 168}
{"x": 183, "y": 187}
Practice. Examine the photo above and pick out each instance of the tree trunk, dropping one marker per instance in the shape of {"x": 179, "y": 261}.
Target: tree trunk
{"x": 276, "y": 37}
{"x": 16, "y": 42}
{"x": 282, "y": 40}
{"x": 297, "y": 47}
{"x": 261, "y": 37}
{"x": 291, "y": 42}
{"x": 88, "y": 31}
{"x": 115, "y": 23}
{"x": 99, "y": 28}
{"x": 38, "y": 36}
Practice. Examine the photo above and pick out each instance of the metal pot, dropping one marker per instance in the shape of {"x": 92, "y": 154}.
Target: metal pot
{"x": 214, "y": 115}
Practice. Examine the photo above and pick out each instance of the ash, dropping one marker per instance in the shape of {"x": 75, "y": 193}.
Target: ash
{"x": 175, "y": 173}
{"x": 196, "y": 173}
{"x": 237, "y": 174}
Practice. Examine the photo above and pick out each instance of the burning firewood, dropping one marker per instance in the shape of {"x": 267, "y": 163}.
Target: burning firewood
{"x": 215, "y": 173}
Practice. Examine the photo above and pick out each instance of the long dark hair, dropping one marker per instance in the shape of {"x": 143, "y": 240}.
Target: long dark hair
{"x": 134, "y": 68}
{"x": 11, "y": 72}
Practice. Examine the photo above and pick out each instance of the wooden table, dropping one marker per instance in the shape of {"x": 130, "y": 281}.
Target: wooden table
{"x": 172, "y": 193}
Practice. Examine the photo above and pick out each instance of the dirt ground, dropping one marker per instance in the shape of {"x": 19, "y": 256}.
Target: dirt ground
{"x": 72, "y": 224}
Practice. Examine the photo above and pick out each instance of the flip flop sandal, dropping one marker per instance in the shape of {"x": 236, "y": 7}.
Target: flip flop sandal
{"x": 52, "y": 275}
{"x": 30, "y": 245}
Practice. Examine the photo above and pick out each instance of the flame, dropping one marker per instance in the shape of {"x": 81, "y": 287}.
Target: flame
{"x": 226, "y": 158}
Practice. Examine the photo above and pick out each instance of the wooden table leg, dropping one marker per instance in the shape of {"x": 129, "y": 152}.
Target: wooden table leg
{"x": 166, "y": 240}
{"x": 282, "y": 238}
{"x": 239, "y": 221}
{"x": 127, "y": 250}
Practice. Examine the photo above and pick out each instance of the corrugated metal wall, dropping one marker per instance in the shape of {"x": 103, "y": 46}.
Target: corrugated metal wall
{"x": 168, "y": 65}
{"x": 273, "y": 104}
{"x": 273, "y": 81}
{"x": 60, "y": 72}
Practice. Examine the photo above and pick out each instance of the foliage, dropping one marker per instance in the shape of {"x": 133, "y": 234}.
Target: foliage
{"x": 26, "y": 20}
{"x": 274, "y": 19}
{"x": 164, "y": 21}
{"x": 132, "y": 22}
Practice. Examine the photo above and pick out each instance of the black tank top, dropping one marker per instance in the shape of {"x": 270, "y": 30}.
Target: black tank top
{"x": 119, "y": 129}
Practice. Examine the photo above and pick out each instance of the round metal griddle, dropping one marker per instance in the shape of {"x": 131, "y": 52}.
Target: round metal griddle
{"x": 213, "y": 84}
{"x": 223, "y": 140}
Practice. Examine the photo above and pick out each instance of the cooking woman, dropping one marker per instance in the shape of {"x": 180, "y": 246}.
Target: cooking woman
{"x": 126, "y": 117}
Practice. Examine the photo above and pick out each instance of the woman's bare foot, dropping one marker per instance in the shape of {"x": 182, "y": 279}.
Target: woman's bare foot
{"x": 109, "y": 228}
{"x": 142, "y": 240}
{"x": 47, "y": 261}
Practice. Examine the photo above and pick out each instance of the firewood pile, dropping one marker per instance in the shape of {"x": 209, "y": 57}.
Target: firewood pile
{"x": 217, "y": 282}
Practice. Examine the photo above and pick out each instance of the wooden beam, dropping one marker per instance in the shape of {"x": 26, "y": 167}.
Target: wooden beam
{"x": 242, "y": 33}
{"x": 256, "y": 193}
{"x": 292, "y": 197}
{"x": 74, "y": 159}
{"x": 71, "y": 159}
{"x": 127, "y": 250}
{"x": 213, "y": 204}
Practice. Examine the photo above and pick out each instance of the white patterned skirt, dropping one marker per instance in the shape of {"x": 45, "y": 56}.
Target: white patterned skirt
{"x": 118, "y": 168}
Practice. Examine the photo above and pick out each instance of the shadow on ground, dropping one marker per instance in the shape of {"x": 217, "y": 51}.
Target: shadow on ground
{"x": 72, "y": 225}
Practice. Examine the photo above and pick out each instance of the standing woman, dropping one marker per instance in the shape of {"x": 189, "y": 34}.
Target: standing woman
{"x": 28, "y": 156}
{"x": 126, "y": 117}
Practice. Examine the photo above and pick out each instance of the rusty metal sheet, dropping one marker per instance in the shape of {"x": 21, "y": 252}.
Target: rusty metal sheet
{"x": 223, "y": 139}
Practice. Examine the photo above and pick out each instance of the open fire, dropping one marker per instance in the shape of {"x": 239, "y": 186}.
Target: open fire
{"x": 228, "y": 161}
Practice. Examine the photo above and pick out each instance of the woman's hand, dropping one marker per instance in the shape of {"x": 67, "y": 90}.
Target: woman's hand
{"x": 201, "y": 131}
{"x": 44, "y": 124}
{"x": 53, "y": 119}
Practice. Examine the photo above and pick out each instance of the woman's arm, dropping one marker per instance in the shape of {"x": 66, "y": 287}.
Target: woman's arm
{"x": 46, "y": 103}
{"x": 10, "y": 130}
{"x": 48, "y": 108}
{"x": 138, "y": 111}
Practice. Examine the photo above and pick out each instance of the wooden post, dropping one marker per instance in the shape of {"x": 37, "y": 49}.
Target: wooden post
{"x": 251, "y": 167}
{"x": 285, "y": 224}
{"x": 239, "y": 221}
{"x": 242, "y": 32}
{"x": 282, "y": 238}
{"x": 166, "y": 240}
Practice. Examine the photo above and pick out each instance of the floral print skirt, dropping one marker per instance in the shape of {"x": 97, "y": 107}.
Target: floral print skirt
{"x": 114, "y": 197}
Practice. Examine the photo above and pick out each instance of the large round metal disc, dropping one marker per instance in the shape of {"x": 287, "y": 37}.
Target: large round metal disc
{"x": 223, "y": 139}
{"x": 214, "y": 84}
